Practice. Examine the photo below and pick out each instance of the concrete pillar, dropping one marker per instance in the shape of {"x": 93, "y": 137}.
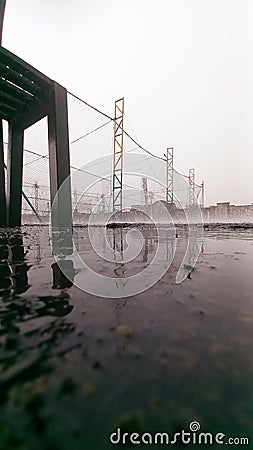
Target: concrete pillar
{"x": 14, "y": 175}
{"x": 59, "y": 163}
{"x": 3, "y": 214}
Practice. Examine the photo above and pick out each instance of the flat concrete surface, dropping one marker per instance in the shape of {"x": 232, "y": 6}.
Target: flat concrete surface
{"x": 74, "y": 367}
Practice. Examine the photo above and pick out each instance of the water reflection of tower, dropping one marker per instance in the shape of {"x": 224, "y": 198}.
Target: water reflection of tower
{"x": 170, "y": 246}
{"x": 145, "y": 233}
{"x": 151, "y": 233}
{"x": 117, "y": 238}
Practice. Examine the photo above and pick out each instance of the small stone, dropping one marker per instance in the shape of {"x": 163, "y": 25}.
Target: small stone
{"x": 125, "y": 330}
{"x": 176, "y": 300}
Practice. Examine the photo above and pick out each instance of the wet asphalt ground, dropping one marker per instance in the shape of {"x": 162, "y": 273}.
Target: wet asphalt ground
{"x": 75, "y": 367}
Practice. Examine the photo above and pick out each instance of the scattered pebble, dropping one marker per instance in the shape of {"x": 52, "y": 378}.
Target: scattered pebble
{"x": 125, "y": 330}
{"x": 176, "y": 300}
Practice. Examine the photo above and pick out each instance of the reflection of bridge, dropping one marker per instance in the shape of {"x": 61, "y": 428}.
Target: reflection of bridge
{"x": 26, "y": 96}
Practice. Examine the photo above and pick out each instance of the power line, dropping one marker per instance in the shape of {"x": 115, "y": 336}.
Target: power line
{"x": 90, "y": 132}
{"x": 34, "y": 160}
{"x": 142, "y": 148}
{"x": 90, "y": 106}
{"x": 101, "y": 126}
{"x": 108, "y": 117}
{"x": 125, "y": 132}
{"x": 90, "y": 173}
{"x": 72, "y": 167}
{"x": 32, "y": 153}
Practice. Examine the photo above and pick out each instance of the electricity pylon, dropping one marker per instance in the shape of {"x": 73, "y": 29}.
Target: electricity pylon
{"x": 169, "y": 175}
{"x": 117, "y": 179}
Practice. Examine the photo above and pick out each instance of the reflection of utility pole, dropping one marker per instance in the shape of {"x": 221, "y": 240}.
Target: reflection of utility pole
{"x": 145, "y": 234}
{"x": 191, "y": 187}
{"x": 169, "y": 175}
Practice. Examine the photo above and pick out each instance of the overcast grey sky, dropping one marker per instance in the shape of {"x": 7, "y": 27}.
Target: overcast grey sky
{"x": 185, "y": 68}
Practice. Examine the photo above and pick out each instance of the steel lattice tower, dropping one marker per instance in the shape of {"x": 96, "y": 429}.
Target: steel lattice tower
{"x": 169, "y": 175}
{"x": 118, "y": 155}
{"x": 191, "y": 187}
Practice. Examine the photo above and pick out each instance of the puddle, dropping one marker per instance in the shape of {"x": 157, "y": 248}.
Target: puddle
{"x": 73, "y": 366}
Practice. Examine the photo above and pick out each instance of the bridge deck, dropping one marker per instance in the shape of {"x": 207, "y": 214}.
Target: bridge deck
{"x": 26, "y": 96}
{"x": 23, "y": 90}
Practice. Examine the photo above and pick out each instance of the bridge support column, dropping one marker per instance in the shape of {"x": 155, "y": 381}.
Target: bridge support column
{"x": 59, "y": 164}
{"x": 3, "y": 213}
{"x": 14, "y": 175}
